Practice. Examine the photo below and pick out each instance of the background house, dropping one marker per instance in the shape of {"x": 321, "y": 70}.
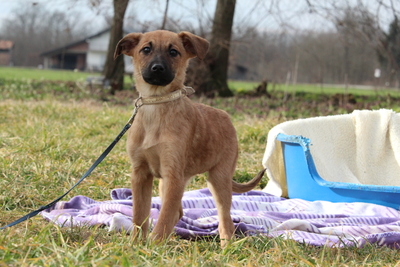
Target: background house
{"x": 6, "y": 48}
{"x": 87, "y": 54}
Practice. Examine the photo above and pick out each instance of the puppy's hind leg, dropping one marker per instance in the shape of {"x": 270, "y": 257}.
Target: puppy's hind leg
{"x": 220, "y": 185}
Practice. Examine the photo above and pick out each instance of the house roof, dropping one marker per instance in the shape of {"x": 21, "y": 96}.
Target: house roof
{"x": 63, "y": 48}
{"x": 6, "y": 45}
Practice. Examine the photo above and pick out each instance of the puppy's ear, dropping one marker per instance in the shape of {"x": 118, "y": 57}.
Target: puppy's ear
{"x": 127, "y": 44}
{"x": 194, "y": 45}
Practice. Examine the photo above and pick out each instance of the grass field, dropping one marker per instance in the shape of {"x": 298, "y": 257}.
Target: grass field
{"x": 42, "y": 74}
{"x": 50, "y": 133}
{"x": 238, "y": 86}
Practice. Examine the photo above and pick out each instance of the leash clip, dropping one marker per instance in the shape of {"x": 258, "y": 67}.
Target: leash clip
{"x": 138, "y": 103}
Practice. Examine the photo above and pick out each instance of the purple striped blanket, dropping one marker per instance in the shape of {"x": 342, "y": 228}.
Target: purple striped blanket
{"x": 316, "y": 223}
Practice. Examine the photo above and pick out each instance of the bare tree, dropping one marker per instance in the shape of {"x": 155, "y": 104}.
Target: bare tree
{"x": 35, "y": 29}
{"x": 389, "y": 55}
{"x": 218, "y": 56}
{"x": 114, "y": 69}
{"x": 362, "y": 20}
{"x": 164, "y": 23}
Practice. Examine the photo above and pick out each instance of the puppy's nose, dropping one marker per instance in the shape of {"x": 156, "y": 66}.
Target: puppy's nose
{"x": 157, "y": 68}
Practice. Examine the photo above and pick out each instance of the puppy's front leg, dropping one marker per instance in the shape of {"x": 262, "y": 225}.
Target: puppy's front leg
{"x": 160, "y": 190}
{"x": 171, "y": 190}
{"x": 142, "y": 184}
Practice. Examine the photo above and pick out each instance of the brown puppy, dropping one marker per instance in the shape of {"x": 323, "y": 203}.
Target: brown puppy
{"x": 173, "y": 138}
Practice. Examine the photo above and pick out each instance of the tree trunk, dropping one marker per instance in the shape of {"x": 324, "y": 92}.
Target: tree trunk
{"x": 114, "y": 69}
{"x": 164, "y": 23}
{"x": 218, "y": 56}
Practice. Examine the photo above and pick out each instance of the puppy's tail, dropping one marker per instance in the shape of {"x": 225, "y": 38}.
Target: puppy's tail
{"x": 242, "y": 188}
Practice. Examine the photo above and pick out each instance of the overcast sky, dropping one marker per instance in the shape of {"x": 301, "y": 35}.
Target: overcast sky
{"x": 183, "y": 10}
{"x": 263, "y": 14}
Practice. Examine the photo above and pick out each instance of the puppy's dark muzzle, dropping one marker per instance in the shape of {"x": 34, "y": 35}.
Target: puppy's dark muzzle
{"x": 158, "y": 73}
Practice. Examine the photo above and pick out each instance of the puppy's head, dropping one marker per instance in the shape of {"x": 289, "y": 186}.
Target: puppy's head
{"x": 160, "y": 57}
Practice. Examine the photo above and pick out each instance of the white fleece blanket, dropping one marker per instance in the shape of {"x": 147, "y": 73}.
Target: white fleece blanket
{"x": 362, "y": 147}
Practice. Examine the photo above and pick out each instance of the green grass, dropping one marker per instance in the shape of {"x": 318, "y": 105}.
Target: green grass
{"x": 339, "y": 89}
{"x": 237, "y": 86}
{"x": 51, "y": 132}
{"x": 42, "y": 74}
{"x": 52, "y": 75}
{"x": 242, "y": 87}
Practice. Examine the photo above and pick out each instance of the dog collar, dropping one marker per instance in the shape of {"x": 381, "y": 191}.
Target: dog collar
{"x": 186, "y": 91}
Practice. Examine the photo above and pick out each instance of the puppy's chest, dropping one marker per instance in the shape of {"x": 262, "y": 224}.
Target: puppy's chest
{"x": 152, "y": 136}
{"x": 152, "y": 128}
{"x": 144, "y": 146}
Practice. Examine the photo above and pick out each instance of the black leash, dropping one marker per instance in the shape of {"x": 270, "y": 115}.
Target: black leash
{"x": 97, "y": 162}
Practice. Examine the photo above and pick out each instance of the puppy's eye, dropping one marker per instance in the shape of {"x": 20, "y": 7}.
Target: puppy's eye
{"x": 173, "y": 53}
{"x": 146, "y": 50}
